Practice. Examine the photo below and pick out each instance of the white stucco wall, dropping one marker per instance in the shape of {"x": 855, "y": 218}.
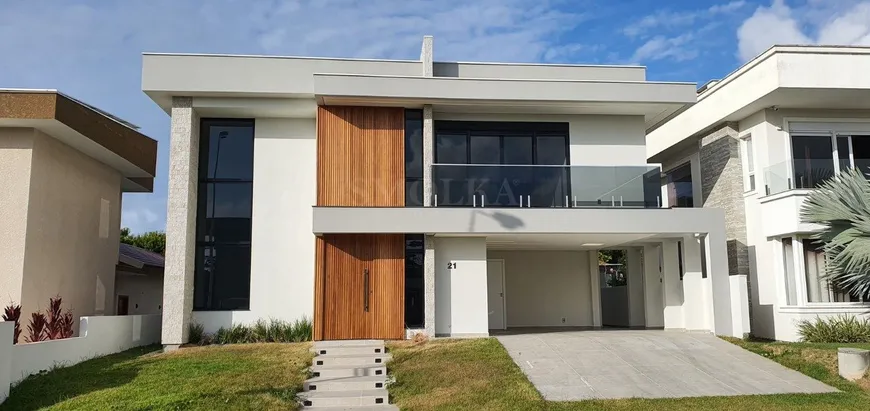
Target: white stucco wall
{"x": 15, "y": 162}
{"x": 653, "y": 294}
{"x": 461, "y": 305}
{"x": 672, "y": 286}
{"x": 595, "y": 140}
{"x": 73, "y": 229}
{"x": 145, "y": 292}
{"x": 543, "y": 287}
{"x": 282, "y": 243}
{"x": 100, "y": 335}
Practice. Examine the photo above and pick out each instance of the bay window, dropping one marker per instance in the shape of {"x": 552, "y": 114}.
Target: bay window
{"x": 805, "y": 281}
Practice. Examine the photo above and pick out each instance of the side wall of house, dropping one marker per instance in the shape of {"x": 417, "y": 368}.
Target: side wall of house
{"x": 15, "y": 162}
{"x": 73, "y": 230}
{"x": 145, "y": 291}
{"x": 282, "y": 243}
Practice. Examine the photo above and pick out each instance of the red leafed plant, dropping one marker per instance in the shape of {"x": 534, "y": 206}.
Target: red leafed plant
{"x": 36, "y": 329}
{"x": 59, "y": 322}
{"x": 12, "y": 312}
{"x": 55, "y": 324}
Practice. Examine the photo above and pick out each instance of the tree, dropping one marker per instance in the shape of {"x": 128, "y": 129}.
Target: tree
{"x": 842, "y": 206}
{"x": 153, "y": 240}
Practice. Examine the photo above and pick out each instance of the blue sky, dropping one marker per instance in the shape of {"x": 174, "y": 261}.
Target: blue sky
{"x": 92, "y": 49}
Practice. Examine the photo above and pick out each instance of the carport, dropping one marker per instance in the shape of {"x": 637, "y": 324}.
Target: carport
{"x": 612, "y": 364}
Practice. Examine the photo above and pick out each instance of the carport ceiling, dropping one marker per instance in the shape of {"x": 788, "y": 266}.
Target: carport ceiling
{"x": 561, "y": 241}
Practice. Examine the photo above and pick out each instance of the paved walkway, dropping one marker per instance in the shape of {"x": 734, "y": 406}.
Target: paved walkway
{"x": 580, "y": 365}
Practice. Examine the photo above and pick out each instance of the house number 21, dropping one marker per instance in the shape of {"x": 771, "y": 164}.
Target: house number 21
{"x": 451, "y": 265}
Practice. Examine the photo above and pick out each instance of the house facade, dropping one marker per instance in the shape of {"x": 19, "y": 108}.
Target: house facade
{"x": 755, "y": 145}
{"x": 382, "y": 198}
{"x": 64, "y": 166}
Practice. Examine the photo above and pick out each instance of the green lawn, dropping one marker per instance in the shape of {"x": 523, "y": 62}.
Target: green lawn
{"x": 238, "y": 377}
{"x": 480, "y": 375}
{"x": 440, "y": 374}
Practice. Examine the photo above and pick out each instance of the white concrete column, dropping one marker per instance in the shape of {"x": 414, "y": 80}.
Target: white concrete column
{"x": 720, "y": 285}
{"x": 672, "y": 286}
{"x": 426, "y": 56}
{"x": 636, "y": 302}
{"x": 180, "y": 222}
{"x": 429, "y": 285}
{"x": 695, "y": 302}
{"x": 462, "y": 308}
{"x": 595, "y": 288}
{"x": 652, "y": 287}
{"x": 428, "y": 155}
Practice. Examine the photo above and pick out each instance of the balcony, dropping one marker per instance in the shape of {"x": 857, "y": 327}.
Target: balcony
{"x": 806, "y": 174}
{"x": 545, "y": 186}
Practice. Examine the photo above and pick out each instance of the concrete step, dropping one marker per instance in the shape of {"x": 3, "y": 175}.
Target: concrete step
{"x": 351, "y": 350}
{"x": 339, "y": 371}
{"x": 385, "y": 407}
{"x": 317, "y": 399}
{"x": 352, "y": 360}
{"x": 348, "y": 343}
{"x": 345, "y": 383}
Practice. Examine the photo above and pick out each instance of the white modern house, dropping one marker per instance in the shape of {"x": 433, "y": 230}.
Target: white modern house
{"x": 381, "y": 198}
{"x": 756, "y": 144}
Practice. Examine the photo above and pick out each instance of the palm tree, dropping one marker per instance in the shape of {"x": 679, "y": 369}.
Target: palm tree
{"x": 842, "y": 206}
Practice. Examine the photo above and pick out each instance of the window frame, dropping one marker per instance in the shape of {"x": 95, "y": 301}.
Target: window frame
{"x": 830, "y": 127}
{"x": 800, "y": 277}
{"x": 750, "y": 169}
{"x": 205, "y": 125}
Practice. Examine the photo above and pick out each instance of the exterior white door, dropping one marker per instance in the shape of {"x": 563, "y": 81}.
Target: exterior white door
{"x": 495, "y": 293}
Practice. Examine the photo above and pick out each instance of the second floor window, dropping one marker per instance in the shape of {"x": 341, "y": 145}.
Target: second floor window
{"x": 749, "y": 159}
{"x": 813, "y": 159}
{"x": 679, "y": 186}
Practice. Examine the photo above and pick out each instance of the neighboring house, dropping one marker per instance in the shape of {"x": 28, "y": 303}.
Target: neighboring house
{"x": 63, "y": 168}
{"x": 138, "y": 281}
{"x": 756, "y": 144}
{"x": 387, "y": 197}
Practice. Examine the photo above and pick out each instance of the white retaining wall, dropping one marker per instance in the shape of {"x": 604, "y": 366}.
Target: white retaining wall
{"x": 99, "y": 336}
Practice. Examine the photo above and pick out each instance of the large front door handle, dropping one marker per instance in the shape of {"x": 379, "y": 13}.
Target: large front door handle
{"x": 366, "y": 290}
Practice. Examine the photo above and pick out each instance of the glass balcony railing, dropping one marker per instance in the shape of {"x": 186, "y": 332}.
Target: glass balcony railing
{"x": 540, "y": 186}
{"x": 805, "y": 173}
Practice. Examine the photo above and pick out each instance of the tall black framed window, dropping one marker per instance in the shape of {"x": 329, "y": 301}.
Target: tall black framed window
{"x": 413, "y": 158}
{"x": 222, "y": 280}
{"x": 414, "y": 287}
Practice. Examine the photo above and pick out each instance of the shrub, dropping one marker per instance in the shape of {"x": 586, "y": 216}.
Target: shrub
{"x": 262, "y": 331}
{"x": 36, "y": 328}
{"x": 195, "y": 334}
{"x": 839, "y": 329}
{"x": 12, "y": 312}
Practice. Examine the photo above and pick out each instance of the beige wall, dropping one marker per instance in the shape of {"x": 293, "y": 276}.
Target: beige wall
{"x": 73, "y": 225}
{"x": 145, "y": 291}
{"x": 15, "y": 156}
{"x": 542, "y": 287}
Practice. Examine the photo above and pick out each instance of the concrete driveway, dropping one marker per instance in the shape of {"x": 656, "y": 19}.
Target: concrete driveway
{"x": 581, "y": 365}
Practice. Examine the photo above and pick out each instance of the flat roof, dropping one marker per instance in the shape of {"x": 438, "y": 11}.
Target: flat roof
{"x": 787, "y": 76}
{"x": 98, "y": 134}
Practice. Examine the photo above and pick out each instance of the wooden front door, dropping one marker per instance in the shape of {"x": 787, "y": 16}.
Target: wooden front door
{"x": 363, "y": 287}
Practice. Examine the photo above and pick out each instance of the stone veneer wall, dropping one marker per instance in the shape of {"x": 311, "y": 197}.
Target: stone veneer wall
{"x": 722, "y": 187}
{"x": 180, "y": 222}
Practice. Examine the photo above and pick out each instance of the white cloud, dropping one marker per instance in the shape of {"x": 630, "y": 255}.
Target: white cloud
{"x": 661, "y": 47}
{"x": 837, "y": 22}
{"x": 92, "y": 49}
{"x": 672, "y": 19}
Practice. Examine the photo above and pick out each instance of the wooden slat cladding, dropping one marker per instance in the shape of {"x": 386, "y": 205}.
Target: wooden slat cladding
{"x": 360, "y": 156}
{"x": 319, "y": 283}
{"x": 340, "y": 300}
